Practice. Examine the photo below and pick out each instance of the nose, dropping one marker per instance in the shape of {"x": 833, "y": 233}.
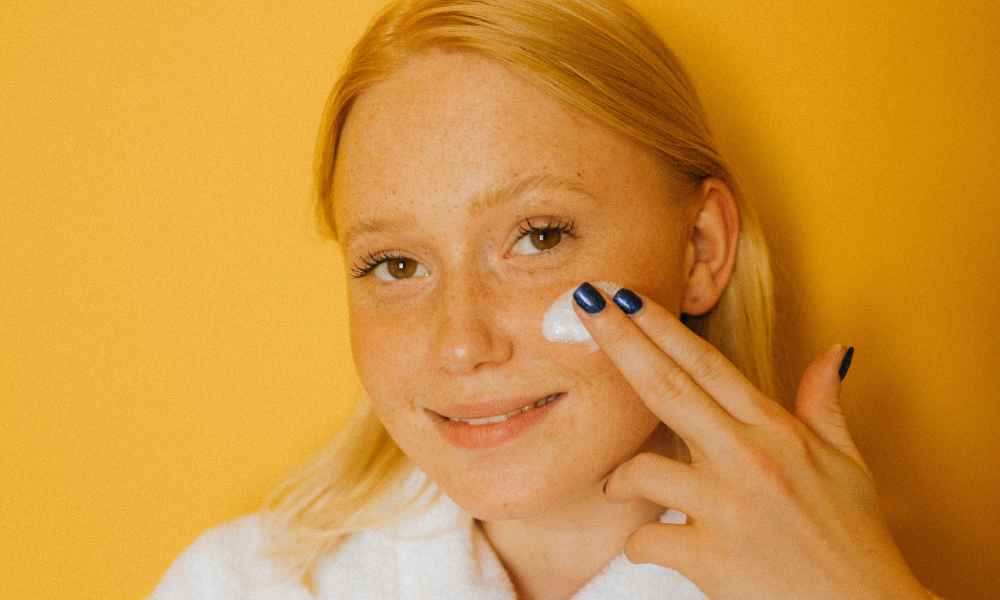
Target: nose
{"x": 468, "y": 332}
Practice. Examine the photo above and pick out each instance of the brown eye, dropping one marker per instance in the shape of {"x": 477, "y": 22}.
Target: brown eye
{"x": 401, "y": 268}
{"x": 543, "y": 239}
{"x": 389, "y": 267}
{"x": 539, "y": 240}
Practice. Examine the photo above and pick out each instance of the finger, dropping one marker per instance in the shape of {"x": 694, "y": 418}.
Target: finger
{"x": 666, "y": 389}
{"x": 710, "y": 369}
{"x": 678, "y": 547}
{"x": 817, "y": 403}
{"x": 657, "y": 478}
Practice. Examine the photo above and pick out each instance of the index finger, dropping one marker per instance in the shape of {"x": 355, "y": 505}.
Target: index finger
{"x": 666, "y": 388}
{"x": 706, "y": 364}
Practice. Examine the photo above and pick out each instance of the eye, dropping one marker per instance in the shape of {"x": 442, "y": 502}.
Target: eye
{"x": 543, "y": 238}
{"x": 389, "y": 267}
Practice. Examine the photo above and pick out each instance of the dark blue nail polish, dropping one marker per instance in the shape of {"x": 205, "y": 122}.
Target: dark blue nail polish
{"x": 589, "y": 298}
{"x": 845, "y": 363}
{"x": 628, "y": 301}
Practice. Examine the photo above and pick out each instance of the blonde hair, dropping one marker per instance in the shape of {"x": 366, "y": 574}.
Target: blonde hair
{"x": 599, "y": 56}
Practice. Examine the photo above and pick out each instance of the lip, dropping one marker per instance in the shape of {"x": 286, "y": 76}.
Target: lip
{"x": 490, "y": 408}
{"x": 481, "y": 437}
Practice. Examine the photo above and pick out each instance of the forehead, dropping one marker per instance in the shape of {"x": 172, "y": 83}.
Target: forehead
{"x": 451, "y": 124}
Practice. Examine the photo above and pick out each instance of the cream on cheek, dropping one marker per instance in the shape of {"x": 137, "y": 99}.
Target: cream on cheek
{"x": 560, "y": 323}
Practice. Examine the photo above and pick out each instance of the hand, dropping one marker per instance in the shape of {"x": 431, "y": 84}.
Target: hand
{"x": 778, "y": 505}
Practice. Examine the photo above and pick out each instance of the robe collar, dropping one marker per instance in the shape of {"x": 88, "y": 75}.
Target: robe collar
{"x": 444, "y": 554}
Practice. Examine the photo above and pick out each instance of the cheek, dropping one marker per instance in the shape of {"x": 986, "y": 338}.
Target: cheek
{"x": 383, "y": 354}
{"x": 569, "y": 343}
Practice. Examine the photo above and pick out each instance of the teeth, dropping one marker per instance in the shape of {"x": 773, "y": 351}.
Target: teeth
{"x": 501, "y": 418}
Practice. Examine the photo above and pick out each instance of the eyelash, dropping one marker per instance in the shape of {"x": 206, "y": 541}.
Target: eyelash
{"x": 370, "y": 262}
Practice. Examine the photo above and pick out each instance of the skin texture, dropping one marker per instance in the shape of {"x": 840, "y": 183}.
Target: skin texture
{"x": 464, "y": 324}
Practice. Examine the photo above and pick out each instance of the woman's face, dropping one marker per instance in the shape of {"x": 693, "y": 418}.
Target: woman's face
{"x": 458, "y": 320}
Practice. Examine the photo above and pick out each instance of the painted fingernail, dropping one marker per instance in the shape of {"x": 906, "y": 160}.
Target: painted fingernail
{"x": 845, "y": 363}
{"x": 589, "y": 298}
{"x": 628, "y": 301}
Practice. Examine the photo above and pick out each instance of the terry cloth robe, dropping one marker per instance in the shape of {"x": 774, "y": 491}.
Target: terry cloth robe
{"x": 441, "y": 554}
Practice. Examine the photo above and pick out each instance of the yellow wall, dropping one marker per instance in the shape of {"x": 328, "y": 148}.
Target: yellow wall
{"x": 173, "y": 332}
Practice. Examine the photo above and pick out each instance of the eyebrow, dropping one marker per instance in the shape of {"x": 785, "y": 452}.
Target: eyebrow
{"x": 494, "y": 195}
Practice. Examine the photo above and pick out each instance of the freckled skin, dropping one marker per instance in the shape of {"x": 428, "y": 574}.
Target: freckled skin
{"x": 423, "y": 142}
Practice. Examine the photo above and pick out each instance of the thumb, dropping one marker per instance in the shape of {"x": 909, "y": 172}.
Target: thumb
{"x": 817, "y": 402}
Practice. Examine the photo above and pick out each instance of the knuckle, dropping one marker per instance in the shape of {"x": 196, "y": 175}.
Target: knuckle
{"x": 759, "y": 458}
{"x": 781, "y": 427}
{"x": 769, "y": 470}
{"x": 642, "y": 465}
{"x": 706, "y": 364}
{"x": 669, "y": 383}
{"x": 773, "y": 408}
{"x": 641, "y": 545}
{"x": 794, "y": 438}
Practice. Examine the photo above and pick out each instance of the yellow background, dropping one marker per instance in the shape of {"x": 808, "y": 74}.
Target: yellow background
{"x": 173, "y": 330}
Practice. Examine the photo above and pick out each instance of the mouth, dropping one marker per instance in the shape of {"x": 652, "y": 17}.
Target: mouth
{"x": 527, "y": 407}
{"x": 486, "y": 433}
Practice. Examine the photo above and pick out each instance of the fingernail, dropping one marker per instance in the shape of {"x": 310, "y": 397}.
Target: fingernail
{"x": 845, "y": 363}
{"x": 628, "y": 301}
{"x": 589, "y": 298}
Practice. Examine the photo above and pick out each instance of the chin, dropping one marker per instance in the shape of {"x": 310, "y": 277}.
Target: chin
{"x": 487, "y": 501}
{"x": 492, "y": 509}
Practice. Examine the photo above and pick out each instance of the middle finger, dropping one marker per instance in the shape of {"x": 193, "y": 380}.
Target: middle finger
{"x": 662, "y": 384}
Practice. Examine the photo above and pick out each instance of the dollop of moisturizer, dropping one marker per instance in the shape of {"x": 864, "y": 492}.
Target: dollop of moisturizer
{"x": 561, "y": 324}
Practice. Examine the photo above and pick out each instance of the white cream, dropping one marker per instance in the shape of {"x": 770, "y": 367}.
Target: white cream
{"x": 561, "y": 324}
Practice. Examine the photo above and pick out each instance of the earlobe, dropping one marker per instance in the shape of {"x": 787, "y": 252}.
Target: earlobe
{"x": 710, "y": 253}
{"x": 699, "y": 294}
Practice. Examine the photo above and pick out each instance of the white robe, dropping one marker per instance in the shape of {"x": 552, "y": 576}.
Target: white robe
{"x": 440, "y": 555}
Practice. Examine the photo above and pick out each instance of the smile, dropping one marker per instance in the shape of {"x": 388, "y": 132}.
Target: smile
{"x": 511, "y": 414}
{"x": 489, "y": 432}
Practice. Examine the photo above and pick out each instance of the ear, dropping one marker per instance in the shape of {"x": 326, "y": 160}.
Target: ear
{"x": 710, "y": 254}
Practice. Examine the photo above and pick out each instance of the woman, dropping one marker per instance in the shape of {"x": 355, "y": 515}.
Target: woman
{"x": 540, "y": 229}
